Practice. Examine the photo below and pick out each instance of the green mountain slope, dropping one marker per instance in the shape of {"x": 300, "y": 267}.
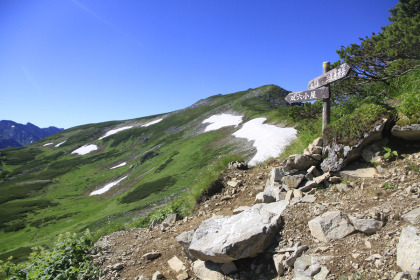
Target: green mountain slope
{"x": 45, "y": 187}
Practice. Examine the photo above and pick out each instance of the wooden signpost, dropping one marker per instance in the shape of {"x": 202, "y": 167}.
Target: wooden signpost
{"x": 330, "y": 76}
{"x": 308, "y": 95}
{"x": 315, "y": 93}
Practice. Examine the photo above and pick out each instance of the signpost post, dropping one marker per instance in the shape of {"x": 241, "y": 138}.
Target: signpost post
{"x": 326, "y": 102}
{"x": 315, "y": 92}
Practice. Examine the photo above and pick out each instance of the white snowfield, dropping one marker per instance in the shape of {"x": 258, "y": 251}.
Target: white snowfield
{"x": 107, "y": 187}
{"x": 61, "y": 143}
{"x": 47, "y": 144}
{"x": 113, "y": 131}
{"x": 222, "y": 120}
{"x": 270, "y": 140}
{"x": 152, "y": 122}
{"x": 85, "y": 149}
{"x": 119, "y": 165}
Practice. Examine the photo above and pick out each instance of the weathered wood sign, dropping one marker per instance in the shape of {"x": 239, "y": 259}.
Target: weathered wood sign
{"x": 329, "y": 77}
{"x": 308, "y": 95}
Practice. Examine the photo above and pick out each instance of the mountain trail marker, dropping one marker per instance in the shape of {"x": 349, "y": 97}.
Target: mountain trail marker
{"x": 315, "y": 92}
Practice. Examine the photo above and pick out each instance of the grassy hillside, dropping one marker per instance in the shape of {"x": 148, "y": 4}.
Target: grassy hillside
{"x": 44, "y": 188}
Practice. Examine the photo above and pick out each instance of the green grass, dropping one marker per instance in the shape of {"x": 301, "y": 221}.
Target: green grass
{"x": 45, "y": 190}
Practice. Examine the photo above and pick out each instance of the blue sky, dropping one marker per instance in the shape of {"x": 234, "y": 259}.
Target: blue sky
{"x": 71, "y": 62}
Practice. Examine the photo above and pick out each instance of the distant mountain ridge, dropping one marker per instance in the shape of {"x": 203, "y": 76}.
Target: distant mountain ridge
{"x": 14, "y": 134}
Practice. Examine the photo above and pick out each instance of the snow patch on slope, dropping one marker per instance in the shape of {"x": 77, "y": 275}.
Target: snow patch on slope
{"x": 107, "y": 187}
{"x": 85, "y": 149}
{"x": 222, "y": 120}
{"x": 152, "y": 122}
{"x": 270, "y": 140}
{"x": 119, "y": 165}
{"x": 113, "y": 131}
{"x": 61, "y": 143}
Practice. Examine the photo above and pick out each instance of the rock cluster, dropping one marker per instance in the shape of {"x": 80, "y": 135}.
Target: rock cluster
{"x": 302, "y": 221}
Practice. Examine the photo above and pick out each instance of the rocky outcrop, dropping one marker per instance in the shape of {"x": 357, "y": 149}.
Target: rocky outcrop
{"x": 336, "y": 155}
{"x": 227, "y": 238}
{"x": 407, "y": 132}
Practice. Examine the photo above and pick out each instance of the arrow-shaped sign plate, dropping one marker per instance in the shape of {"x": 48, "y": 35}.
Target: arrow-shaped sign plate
{"x": 329, "y": 77}
{"x": 308, "y": 95}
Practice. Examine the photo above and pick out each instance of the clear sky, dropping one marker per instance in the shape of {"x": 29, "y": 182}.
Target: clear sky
{"x": 70, "y": 62}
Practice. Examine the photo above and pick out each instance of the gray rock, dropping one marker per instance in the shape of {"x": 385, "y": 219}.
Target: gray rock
{"x": 176, "y": 264}
{"x": 308, "y": 186}
{"x": 339, "y": 155}
{"x": 275, "y": 175}
{"x": 330, "y": 226}
{"x": 184, "y": 239}
{"x": 292, "y": 181}
{"x": 306, "y": 267}
{"x": 278, "y": 263}
{"x": 313, "y": 149}
{"x": 158, "y": 275}
{"x": 407, "y": 132}
{"x": 317, "y": 142}
{"x": 300, "y": 162}
{"x": 367, "y": 226}
{"x": 408, "y": 250}
{"x": 308, "y": 198}
{"x": 152, "y": 255}
{"x": 170, "y": 220}
{"x": 413, "y": 217}
{"x": 271, "y": 193}
{"x": 227, "y": 238}
{"x": 207, "y": 270}
{"x": 312, "y": 172}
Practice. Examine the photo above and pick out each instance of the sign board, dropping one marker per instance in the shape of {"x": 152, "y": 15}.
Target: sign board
{"x": 308, "y": 95}
{"x": 329, "y": 77}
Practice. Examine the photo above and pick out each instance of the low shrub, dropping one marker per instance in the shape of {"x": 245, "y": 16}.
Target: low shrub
{"x": 351, "y": 128}
{"x": 69, "y": 258}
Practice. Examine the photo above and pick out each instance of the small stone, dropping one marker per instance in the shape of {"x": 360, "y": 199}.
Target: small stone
{"x": 309, "y": 199}
{"x": 158, "y": 275}
{"x": 176, "y": 264}
{"x": 117, "y": 266}
{"x": 152, "y": 255}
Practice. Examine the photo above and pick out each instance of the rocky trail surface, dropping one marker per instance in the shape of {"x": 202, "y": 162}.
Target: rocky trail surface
{"x": 362, "y": 222}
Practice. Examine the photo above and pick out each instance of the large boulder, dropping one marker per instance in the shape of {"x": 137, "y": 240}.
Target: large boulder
{"x": 226, "y": 238}
{"x": 184, "y": 239}
{"x": 336, "y": 155}
{"x": 330, "y": 226}
{"x": 408, "y": 250}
